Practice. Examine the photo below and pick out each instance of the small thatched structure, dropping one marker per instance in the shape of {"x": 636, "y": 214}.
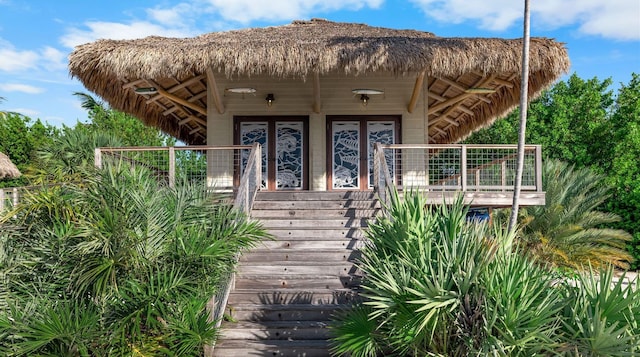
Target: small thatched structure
{"x": 469, "y": 81}
{"x": 7, "y": 168}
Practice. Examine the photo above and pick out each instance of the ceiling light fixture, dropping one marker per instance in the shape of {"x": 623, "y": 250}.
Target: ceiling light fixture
{"x": 270, "y": 99}
{"x": 146, "y": 90}
{"x": 241, "y": 90}
{"x": 367, "y": 91}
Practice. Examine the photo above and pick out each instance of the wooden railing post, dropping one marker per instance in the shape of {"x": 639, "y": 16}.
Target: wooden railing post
{"x": 97, "y": 158}
{"x": 172, "y": 166}
{"x": 538, "y": 168}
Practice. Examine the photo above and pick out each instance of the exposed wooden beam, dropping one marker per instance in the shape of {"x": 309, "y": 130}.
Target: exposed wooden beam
{"x": 453, "y": 83}
{"x": 185, "y": 121}
{"x": 186, "y": 83}
{"x": 213, "y": 88}
{"x": 417, "y": 89}
{"x": 134, "y": 83}
{"x": 461, "y": 97}
{"x": 437, "y": 107}
{"x": 436, "y": 96}
{"x": 181, "y": 101}
{"x": 504, "y": 83}
{"x": 317, "y": 100}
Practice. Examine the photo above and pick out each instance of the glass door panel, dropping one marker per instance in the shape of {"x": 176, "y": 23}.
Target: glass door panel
{"x": 256, "y": 132}
{"x": 384, "y": 133}
{"x": 346, "y": 155}
{"x": 289, "y": 155}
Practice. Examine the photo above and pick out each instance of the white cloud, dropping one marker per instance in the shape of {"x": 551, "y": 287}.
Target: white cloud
{"x": 16, "y": 87}
{"x": 245, "y": 11}
{"x": 14, "y": 60}
{"x": 53, "y": 59}
{"x": 614, "y": 19}
{"x": 32, "y": 113}
{"x": 118, "y": 31}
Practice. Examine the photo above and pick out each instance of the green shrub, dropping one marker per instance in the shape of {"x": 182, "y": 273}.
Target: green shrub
{"x": 115, "y": 266}
{"x": 436, "y": 284}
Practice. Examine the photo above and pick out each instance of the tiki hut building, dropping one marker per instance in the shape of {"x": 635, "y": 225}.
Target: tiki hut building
{"x": 7, "y": 169}
{"x": 317, "y": 93}
{"x": 336, "y": 107}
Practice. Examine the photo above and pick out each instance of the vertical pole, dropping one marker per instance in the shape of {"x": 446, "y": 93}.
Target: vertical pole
{"x": 97, "y": 158}
{"x": 172, "y": 166}
{"x": 538, "y": 168}
{"x": 1, "y": 199}
{"x": 463, "y": 167}
{"x": 524, "y": 89}
{"x": 15, "y": 196}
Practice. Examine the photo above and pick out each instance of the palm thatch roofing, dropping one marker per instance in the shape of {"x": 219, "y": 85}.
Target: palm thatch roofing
{"x": 7, "y": 168}
{"x": 452, "y": 70}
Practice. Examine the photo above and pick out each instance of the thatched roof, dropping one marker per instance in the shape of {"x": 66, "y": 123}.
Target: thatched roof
{"x": 451, "y": 66}
{"x": 7, "y": 168}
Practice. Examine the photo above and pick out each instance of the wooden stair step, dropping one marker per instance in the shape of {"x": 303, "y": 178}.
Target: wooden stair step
{"x": 277, "y": 255}
{"x": 315, "y": 196}
{"x": 306, "y": 205}
{"x": 313, "y": 213}
{"x": 293, "y": 296}
{"x": 272, "y": 348}
{"x": 284, "y": 245}
{"x": 314, "y": 223}
{"x": 282, "y": 312}
{"x": 297, "y": 232}
{"x": 275, "y": 330}
{"x": 296, "y": 282}
{"x": 286, "y": 269}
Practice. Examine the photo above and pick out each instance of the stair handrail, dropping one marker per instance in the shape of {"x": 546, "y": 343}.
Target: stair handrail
{"x": 250, "y": 183}
{"x": 382, "y": 181}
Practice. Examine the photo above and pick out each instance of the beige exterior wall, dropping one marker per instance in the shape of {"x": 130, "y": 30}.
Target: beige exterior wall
{"x": 295, "y": 97}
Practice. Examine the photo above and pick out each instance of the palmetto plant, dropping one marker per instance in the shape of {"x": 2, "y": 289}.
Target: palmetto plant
{"x": 436, "y": 284}
{"x": 141, "y": 258}
{"x": 569, "y": 231}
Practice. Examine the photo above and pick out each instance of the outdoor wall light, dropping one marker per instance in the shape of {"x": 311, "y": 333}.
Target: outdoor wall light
{"x": 146, "y": 90}
{"x": 365, "y": 99}
{"x": 270, "y": 99}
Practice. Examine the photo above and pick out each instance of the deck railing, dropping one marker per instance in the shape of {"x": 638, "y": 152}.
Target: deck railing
{"x": 219, "y": 167}
{"x": 10, "y": 196}
{"x": 456, "y": 167}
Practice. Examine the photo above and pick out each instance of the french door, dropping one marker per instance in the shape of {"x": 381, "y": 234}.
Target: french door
{"x": 284, "y": 149}
{"x": 350, "y": 142}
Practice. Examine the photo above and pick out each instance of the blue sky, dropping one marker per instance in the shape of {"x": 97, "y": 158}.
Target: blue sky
{"x": 36, "y": 36}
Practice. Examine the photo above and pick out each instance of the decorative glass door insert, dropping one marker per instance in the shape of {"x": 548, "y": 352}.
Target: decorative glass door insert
{"x": 351, "y": 149}
{"x": 283, "y": 150}
{"x": 346, "y": 155}
{"x": 289, "y": 155}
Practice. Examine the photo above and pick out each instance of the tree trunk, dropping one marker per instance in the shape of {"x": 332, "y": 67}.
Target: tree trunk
{"x": 523, "y": 119}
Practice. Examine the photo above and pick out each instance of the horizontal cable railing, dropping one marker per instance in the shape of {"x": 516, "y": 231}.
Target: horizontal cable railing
{"x": 218, "y": 167}
{"x": 459, "y": 167}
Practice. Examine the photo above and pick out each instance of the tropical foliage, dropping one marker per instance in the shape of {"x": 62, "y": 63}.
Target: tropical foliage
{"x": 582, "y": 122}
{"x": 436, "y": 284}
{"x": 116, "y": 265}
{"x": 569, "y": 230}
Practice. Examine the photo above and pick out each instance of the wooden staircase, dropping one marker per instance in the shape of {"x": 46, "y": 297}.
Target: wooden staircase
{"x": 286, "y": 290}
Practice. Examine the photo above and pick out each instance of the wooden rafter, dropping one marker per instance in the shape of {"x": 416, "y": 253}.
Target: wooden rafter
{"x": 186, "y": 83}
{"x": 456, "y": 102}
{"x": 178, "y": 100}
{"x": 317, "y": 100}
{"x": 417, "y": 89}
{"x": 213, "y": 88}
